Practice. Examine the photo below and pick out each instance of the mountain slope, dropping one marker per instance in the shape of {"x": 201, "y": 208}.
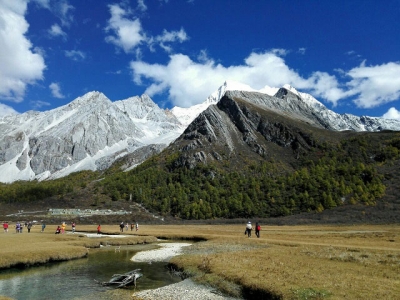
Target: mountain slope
{"x": 240, "y": 159}
{"x": 87, "y": 134}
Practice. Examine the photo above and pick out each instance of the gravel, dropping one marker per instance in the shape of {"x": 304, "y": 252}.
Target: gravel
{"x": 165, "y": 253}
{"x": 186, "y": 289}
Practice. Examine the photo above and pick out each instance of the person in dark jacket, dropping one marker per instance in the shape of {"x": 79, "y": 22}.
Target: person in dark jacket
{"x": 258, "y": 228}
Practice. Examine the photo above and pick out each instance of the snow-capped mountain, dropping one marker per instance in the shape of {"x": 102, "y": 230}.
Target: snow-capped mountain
{"x": 91, "y": 132}
{"x": 87, "y": 134}
{"x": 187, "y": 115}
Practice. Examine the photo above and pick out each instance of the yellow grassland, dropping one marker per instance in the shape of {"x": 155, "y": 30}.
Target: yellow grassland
{"x": 289, "y": 262}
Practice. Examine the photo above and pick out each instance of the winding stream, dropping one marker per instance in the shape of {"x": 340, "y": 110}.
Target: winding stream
{"x": 76, "y": 279}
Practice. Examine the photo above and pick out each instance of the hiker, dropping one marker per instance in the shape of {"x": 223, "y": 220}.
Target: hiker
{"x": 29, "y": 226}
{"x": 258, "y": 228}
{"x": 5, "y": 227}
{"x": 43, "y": 226}
{"x": 99, "y": 229}
{"x": 73, "y": 227}
{"x": 132, "y": 226}
{"x": 121, "y": 227}
{"x": 18, "y": 227}
{"x": 63, "y": 227}
{"x": 58, "y": 230}
{"x": 249, "y": 228}
{"x": 137, "y": 226}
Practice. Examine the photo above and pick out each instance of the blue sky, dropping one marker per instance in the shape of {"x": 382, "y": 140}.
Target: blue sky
{"x": 345, "y": 53}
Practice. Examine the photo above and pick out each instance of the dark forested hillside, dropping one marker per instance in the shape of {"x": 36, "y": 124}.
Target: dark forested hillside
{"x": 240, "y": 160}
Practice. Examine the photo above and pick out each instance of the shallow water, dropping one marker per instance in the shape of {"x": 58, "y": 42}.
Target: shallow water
{"x": 77, "y": 279}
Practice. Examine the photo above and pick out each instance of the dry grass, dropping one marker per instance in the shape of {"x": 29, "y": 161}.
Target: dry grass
{"x": 297, "y": 262}
{"x": 37, "y": 247}
{"x": 289, "y": 262}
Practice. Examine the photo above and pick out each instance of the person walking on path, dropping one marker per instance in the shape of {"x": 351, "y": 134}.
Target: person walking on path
{"x": 258, "y": 228}
{"x": 73, "y": 225}
{"x": 137, "y": 226}
{"x": 43, "y": 226}
{"x": 58, "y": 229}
{"x": 18, "y": 227}
{"x": 121, "y": 227}
{"x": 29, "y": 226}
{"x": 249, "y": 228}
{"x": 63, "y": 227}
{"x": 132, "y": 226}
{"x": 99, "y": 229}
{"x": 5, "y": 227}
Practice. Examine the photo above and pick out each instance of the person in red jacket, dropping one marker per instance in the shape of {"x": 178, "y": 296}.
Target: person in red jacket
{"x": 99, "y": 229}
{"x": 5, "y": 226}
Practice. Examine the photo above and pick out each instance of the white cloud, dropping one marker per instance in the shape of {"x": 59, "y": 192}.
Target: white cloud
{"x": 56, "y": 31}
{"x": 6, "y": 110}
{"x": 188, "y": 82}
{"x": 56, "y": 90}
{"x": 374, "y": 85}
{"x": 170, "y": 37}
{"x": 63, "y": 10}
{"x": 43, "y": 3}
{"x": 36, "y": 105}
{"x": 141, "y": 5}
{"x": 75, "y": 55}
{"x": 126, "y": 34}
{"x": 392, "y": 113}
{"x": 20, "y": 65}
{"x": 302, "y": 50}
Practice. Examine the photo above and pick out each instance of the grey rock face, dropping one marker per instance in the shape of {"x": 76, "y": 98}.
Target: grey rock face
{"x": 91, "y": 132}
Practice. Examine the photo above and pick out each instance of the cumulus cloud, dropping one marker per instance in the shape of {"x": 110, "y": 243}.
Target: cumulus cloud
{"x": 56, "y": 90}
{"x": 374, "y": 85}
{"x": 56, "y": 31}
{"x": 20, "y": 64}
{"x": 392, "y": 113}
{"x": 6, "y": 110}
{"x": 75, "y": 55}
{"x": 125, "y": 33}
{"x": 169, "y": 37}
{"x": 188, "y": 82}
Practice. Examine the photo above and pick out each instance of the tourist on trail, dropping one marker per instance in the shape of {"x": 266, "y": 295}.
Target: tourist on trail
{"x": 63, "y": 227}
{"x": 5, "y": 227}
{"x": 43, "y": 226}
{"x": 121, "y": 227}
{"x": 258, "y": 228}
{"x": 126, "y": 226}
{"x": 18, "y": 227}
{"x": 73, "y": 227}
{"x": 58, "y": 230}
{"x": 132, "y": 226}
{"x": 249, "y": 228}
{"x": 29, "y": 226}
{"x": 137, "y": 226}
{"x": 99, "y": 229}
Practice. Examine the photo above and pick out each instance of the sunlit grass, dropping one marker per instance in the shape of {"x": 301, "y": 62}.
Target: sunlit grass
{"x": 289, "y": 262}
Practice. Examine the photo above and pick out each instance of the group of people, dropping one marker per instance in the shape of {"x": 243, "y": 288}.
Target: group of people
{"x": 18, "y": 226}
{"x": 249, "y": 228}
{"x": 126, "y": 226}
{"x": 61, "y": 229}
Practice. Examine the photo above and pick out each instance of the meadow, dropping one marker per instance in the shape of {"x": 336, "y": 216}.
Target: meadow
{"x": 286, "y": 262}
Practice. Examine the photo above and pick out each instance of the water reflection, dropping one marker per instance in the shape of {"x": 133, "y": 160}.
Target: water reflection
{"x": 77, "y": 279}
